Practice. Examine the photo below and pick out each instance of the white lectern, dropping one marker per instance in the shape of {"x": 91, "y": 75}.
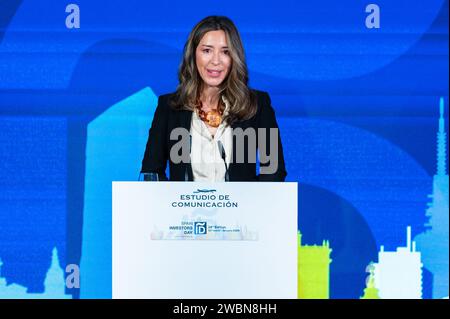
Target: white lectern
{"x": 204, "y": 240}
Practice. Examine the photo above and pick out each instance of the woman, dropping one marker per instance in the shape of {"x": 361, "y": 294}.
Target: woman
{"x": 223, "y": 119}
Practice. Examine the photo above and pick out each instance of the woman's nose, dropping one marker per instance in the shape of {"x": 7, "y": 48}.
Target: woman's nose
{"x": 215, "y": 58}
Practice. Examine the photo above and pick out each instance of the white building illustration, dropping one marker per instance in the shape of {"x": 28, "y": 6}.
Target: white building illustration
{"x": 398, "y": 274}
{"x": 433, "y": 243}
{"x": 54, "y": 284}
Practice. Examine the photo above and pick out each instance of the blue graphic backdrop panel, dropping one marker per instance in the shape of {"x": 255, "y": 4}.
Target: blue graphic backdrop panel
{"x": 115, "y": 140}
{"x": 32, "y": 198}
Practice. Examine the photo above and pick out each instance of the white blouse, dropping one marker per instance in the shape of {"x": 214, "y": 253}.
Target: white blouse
{"x": 206, "y": 160}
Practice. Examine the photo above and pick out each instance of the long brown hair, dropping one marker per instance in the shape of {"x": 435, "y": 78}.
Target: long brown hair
{"x": 234, "y": 87}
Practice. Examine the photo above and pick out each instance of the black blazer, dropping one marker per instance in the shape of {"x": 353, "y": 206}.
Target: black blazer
{"x": 159, "y": 144}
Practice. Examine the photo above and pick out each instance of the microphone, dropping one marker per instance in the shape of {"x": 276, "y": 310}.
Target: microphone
{"x": 223, "y": 155}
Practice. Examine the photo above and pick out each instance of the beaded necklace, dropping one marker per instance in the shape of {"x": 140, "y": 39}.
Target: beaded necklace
{"x": 213, "y": 117}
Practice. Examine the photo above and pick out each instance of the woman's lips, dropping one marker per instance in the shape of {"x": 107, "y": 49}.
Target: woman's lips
{"x": 213, "y": 73}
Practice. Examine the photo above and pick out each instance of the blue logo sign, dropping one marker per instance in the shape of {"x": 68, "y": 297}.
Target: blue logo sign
{"x": 200, "y": 228}
{"x": 204, "y": 191}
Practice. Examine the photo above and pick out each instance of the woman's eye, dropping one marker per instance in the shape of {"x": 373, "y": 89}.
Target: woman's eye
{"x": 226, "y": 52}
{"x": 206, "y": 50}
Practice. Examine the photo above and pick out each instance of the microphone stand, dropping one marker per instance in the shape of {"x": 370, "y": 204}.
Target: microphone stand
{"x": 223, "y": 155}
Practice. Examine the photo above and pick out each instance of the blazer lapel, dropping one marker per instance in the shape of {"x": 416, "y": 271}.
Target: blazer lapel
{"x": 185, "y": 118}
{"x": 233, "y": 165}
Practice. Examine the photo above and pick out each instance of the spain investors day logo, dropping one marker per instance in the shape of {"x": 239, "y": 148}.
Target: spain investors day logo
{"x": 200, "y": 228}
{"x": 211, "y": 215}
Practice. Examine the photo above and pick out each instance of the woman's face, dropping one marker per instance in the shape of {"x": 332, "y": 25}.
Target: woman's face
{"x": 212, "y": 58}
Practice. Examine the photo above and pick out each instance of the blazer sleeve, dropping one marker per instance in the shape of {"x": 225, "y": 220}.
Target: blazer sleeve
{"x": 156, "y": 154}
{"x": 268, "y": 120}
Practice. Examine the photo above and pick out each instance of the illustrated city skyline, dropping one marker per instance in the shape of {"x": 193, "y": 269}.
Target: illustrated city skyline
{"x": 397, "y": 274}
{"x": 54, "y": 284}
